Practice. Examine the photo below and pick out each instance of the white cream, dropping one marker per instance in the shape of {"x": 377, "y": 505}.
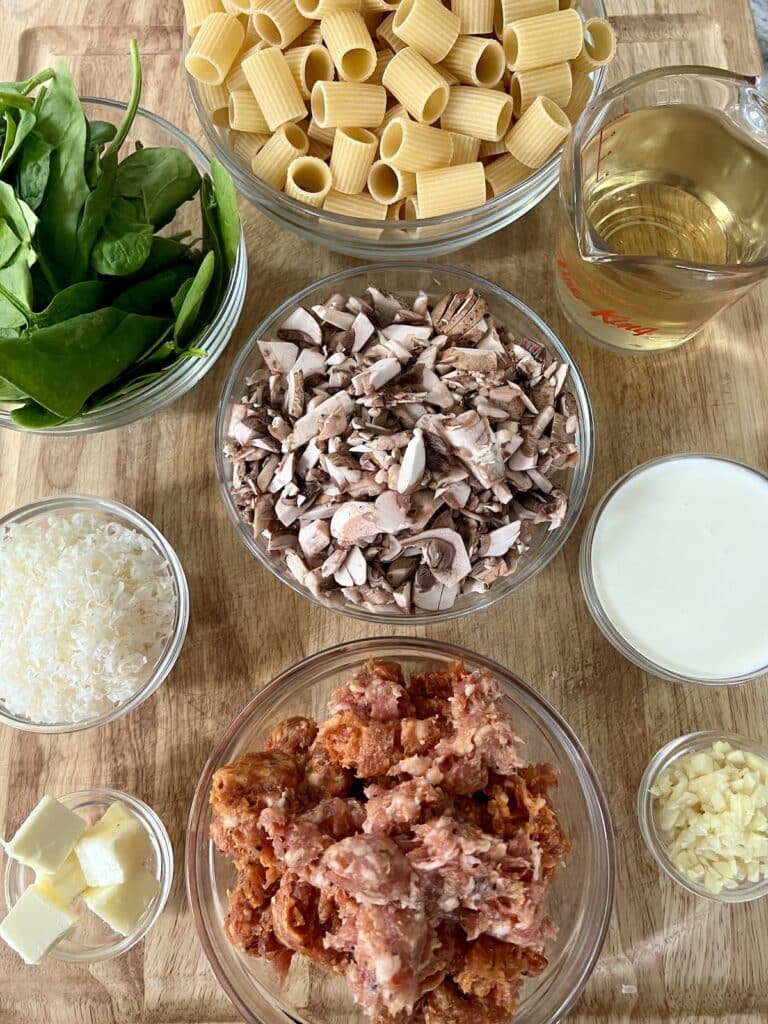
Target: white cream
{"x": 680, "y": 566}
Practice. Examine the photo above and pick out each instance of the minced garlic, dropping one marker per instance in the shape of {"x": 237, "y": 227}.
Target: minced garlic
{"x": 711, "y": 810}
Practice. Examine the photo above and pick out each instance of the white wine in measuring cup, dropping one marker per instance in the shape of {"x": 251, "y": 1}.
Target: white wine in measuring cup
{"x": 663, "y": 209}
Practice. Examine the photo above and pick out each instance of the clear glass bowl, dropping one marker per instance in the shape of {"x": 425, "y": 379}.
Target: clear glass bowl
{"x": 406, "y": 279}
{"x": 599, "y": 614}
{"x": 153, "y": 130}
{"x": 92, "y": 940}
{"x": 662, "y": 760}
{"x": 580, "y": 900}
{"x": 373, "y": 239}
{"x": 112, "y": 511}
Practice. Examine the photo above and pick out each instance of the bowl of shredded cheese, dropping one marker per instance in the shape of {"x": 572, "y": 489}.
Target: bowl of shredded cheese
{"x": 95, "y": 611}
{"x": 703, "y": 810}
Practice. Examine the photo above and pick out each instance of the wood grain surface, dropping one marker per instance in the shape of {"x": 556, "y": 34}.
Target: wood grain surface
{"x": 669, "y": 956}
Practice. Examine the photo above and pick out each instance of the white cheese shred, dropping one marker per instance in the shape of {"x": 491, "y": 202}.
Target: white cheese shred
{"x": 711, "y": 809}
{"x": 88, "y": 606}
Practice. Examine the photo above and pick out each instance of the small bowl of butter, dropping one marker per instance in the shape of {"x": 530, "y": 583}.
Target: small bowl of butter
{"x": 87, "y": 876}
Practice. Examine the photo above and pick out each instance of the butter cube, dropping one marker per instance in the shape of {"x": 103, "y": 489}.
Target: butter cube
{"x": 66, "y": 883}
{"x": 36, "y": 923}
{"x": 47, "y": 837}
{"x": 121, "y": 906}
{"x": 114, "y": 848}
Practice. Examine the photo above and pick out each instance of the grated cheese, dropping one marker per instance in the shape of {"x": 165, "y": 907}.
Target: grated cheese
{"x": 712, "y": 812}
{"x": 88, "y": 606}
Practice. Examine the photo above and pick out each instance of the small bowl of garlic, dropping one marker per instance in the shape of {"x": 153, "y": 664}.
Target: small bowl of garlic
{"x": 703, "y": 810}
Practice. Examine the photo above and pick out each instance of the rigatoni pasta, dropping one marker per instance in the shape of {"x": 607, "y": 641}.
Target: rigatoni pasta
{"x": 539, "y": 42}
{"x": 539, "y": 132}
{"x": 353, "y": 152}
{"x": 272, "y": 83}
{"x": 417, "y": 85}
{"x": 427, "y": 26}
{"x": 423, "y": 87}
{"x": 484, "y": 113}
{"x": 350, "y": 45}
{"x": 450, "y": 189}
{"x": 214, "y": 48}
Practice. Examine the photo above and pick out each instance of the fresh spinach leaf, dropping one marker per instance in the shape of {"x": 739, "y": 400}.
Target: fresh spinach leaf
{"x": 9, "y": 393}
{"x": 34, "y": 168}
{"x": 95, "y": 212}
{"x": 101, "y": 133}
{"x": 154, "y": 295}
{"x": 61, "y": 366}
{"x": 166, "y": 252}
{"x": 158, "y": 181}
{"x": 227, "y": 214}
{"x": 16, "y": 133}
{"x": 80, "y": 298}
{"x": 32, "y": 416}
{"x": 133, "y": 102}
{"x": 15, "y": 278}
{"x": 178, "y": 299}
{"x": 191, "y": 305}
{"x": 124, "y": 244}
{"x": 30, "y": 83}
{"x": 9, "y": 243}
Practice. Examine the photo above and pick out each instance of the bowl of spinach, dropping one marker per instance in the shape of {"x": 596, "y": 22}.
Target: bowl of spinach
{"x": 122, "y": 261}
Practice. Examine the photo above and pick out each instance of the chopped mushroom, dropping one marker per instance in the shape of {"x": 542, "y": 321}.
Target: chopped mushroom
{"x": 397, "y": 457}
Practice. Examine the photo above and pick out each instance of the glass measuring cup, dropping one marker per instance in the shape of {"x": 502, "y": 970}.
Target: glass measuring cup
{"x": 663, "y": 216}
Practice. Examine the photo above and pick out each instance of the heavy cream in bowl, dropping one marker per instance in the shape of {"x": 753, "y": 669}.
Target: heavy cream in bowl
{"x": 675, "y": 568}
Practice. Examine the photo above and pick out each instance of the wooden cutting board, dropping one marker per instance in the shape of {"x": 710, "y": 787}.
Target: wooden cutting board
{"x": 669, "y": 956}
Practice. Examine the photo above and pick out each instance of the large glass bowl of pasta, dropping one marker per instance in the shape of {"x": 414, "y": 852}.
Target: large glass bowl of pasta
{"x": 396, "y": 132}
{"x": 301, "y": 497}
{"x": 579, "y": 899}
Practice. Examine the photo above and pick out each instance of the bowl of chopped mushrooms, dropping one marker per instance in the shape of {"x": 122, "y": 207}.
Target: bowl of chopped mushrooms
{"x": 404, "y": 443}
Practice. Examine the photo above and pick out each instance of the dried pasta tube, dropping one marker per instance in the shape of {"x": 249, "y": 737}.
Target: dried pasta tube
{"x": 278, "y": 22}
{"x": 411, "y": 146}
{"x": 412, "y": 208}
{"x": 245, "y": 114}
{"x": 540, "y": 131}
{"x": 388, "y": 184}
{"x": 476, "y": 16}
{"x": 466, "y": 148}
{"x": 322, "y": 8}
{"x": 385, "y": 33}
{"x": 348, "y": 104}
{"x": 309, "y": 64}
{"x": 539, "y": 42}
{"x": 492, "y": 148}
{"x": 504, "y": 173}
{"x": 397, "y": 210}
{"x": 476, "y": 61}
{"x": 215, "y": 102}
{"x": 517, "y": 10}
{"x": 312, "y": 36}
{"x": 362, "y": 205}
{"x": 272, "y": 83}
{"x": 484, "y": 113}
{"x": 450, "y": 189}
{"x": 353, "y": 153}
{"x": 246, "y": 145}
{"x": 417, "y": 85}
{"x": 236, "y": 79}
{"x": 427, "y": 26}
{"x": 379, "y": 6}
{"x": 383, "y": 57}
{"x": 349, "y": 42}
{"x": 599, "y": 46}
{"x": 581, "y": 94}
{"x": 398, "y": 110}
{"x": 556, "y": 82}
{"x": 196, "y": 11}
{"x": 308, "y": 179}
{"x": 319, "y": 149}
{"x": 214, "y": 48}
{"x": 237, "y": 6}
{"x": 272, "y": 161}
{"x": 324, "y": 135}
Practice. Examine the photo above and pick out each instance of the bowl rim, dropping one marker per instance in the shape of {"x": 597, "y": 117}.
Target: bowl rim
{"x": 69, "y": 503}
{"x": 182, "y": 377}
{"x": 269, "y": 196}
{"x": 595, "y": 605}
{"x": 580, "y": 480}
{"x": 509, "y": 680}
{"x": 158, "y": 834}
{"x": 645, "y": 801}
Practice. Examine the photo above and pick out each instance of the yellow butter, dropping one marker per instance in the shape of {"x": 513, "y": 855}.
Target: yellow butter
{"x": 47, "y": 837}
{"x": 36, "y": 923}
{"x": 122, "y": 906}
{"x": 114, "y": 848}
{"x": 66, "y": 883}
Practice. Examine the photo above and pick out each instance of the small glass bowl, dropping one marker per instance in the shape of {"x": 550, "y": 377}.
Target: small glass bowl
{"x": 406, "y": 279}
{"x": 153, "y": 130}
{"x": 92, "y": 940}
{"x": 593, "y": 602}
{"x": 374, "y": 239}
{"x": 67, "y": 505}
{"x": 662, "y": 760}
{"x": 579, "y": 901}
